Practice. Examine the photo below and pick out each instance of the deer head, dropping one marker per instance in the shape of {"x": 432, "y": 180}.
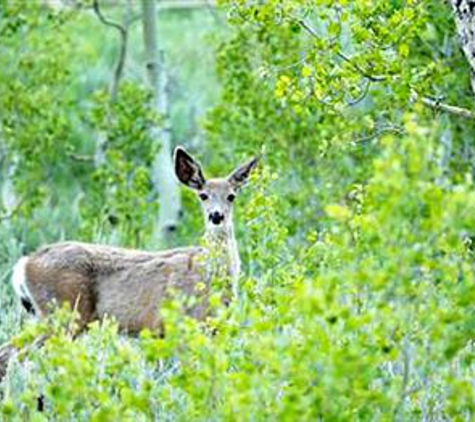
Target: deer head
{"x": 216, "y": 195}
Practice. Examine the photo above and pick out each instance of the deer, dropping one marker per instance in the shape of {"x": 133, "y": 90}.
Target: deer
{"x": 128, "y": 285}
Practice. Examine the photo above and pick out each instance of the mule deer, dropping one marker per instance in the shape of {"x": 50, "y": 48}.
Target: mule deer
{"x": 130, "y": 285}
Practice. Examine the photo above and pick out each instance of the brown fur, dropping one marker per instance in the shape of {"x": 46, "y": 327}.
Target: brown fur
{"x": 132, "y": 285}
{"x": 128, "y": 285}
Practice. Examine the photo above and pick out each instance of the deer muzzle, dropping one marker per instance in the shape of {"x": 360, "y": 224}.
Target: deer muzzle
{"x": 216, "y": 218}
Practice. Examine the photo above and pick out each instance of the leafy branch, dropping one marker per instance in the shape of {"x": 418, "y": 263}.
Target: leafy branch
{"x": 344, "y": 57}
{"x": 435, "y": 104}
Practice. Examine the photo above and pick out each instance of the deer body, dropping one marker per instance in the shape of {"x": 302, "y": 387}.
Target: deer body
{"x": 98, "y": 280}
{"x": 130, "y": 285}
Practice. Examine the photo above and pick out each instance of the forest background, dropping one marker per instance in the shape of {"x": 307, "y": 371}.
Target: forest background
{"x": 358, "y": 298}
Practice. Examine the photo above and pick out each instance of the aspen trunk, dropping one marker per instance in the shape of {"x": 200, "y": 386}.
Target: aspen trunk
{"x": 464, "y": 11}
{"x": 7, "y": 169}
{"x": 163, "y": 173}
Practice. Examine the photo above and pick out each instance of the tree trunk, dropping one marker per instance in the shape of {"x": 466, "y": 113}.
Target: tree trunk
{"x": 8, "y": 199}
{"x": 163, "y": 173}
{"x": 464, "y": 11}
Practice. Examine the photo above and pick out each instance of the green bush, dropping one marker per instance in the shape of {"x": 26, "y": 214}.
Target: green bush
{"x": 356, "y": 234}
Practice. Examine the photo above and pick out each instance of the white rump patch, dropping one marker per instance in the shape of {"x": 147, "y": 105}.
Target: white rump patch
{"x": 19, "y": 280}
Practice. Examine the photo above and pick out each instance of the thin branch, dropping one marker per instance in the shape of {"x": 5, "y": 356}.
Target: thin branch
{"x": 447, "y": 108}
{"x": 359, "y": 69}
{"x": 362, "y": 96}
{"x": 80, "y": 158}
{"x": 429, "y": 102}
{"x": 378, "y": 132}
{"x": 308, "y": 28}
{"x": 105, "y": 20}
{"x": 123, "y": 32}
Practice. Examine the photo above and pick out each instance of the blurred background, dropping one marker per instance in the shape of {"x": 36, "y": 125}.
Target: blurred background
{"x": 356, "y": 235}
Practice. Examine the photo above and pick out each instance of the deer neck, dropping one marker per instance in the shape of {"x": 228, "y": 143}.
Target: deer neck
{"x": 222, "y": 242}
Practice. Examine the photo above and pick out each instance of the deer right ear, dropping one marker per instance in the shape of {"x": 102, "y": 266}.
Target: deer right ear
{"x": 240, "y": 176}
{"x": 188, "y": 170}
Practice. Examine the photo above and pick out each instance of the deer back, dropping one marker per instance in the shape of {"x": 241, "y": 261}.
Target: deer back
{"x": 100, "y": 280}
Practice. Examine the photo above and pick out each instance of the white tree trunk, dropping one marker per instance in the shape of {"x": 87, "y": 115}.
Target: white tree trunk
{"x": 7, "y": 169}
{"x": 464, "y": 11}
{"x": 163, "y": 172}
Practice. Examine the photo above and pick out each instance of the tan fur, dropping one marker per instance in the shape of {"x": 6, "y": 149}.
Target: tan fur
{"x": 126, "y": 284}
{"x": 132, "y": 285}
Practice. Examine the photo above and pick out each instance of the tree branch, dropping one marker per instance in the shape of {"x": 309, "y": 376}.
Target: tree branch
{"x": 451, "y": 109}
{"x": 429, "y": 102}
{"x": 359, "y": 69}
{"x": 80, "y": 158}
{"x": 362, "y": 96}
{"x": 123, "y": 32}
{"x": 378, "y": 132}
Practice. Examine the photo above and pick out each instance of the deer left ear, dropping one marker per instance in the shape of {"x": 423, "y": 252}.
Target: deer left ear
{"x": 188, "y": 170}
{"x": 240, "y": 176}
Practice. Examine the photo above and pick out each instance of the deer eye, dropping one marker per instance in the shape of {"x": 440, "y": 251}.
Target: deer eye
{"x": 231, "y": 197}
{"x": 203, "y": 196}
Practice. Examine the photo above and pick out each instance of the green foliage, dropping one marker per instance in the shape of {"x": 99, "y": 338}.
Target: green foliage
{"x": 122, "y": 194}
{"x": 36, "y": 101}
{"x": 357, "y": 298}
{"x": 99, "y": 377}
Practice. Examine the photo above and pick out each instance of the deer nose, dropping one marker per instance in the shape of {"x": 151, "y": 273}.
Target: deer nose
{"x": 216, "y": 217}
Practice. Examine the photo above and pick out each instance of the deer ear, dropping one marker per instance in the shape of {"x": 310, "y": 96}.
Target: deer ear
{"x": 240, "y": 176}
{"x": 188, "y": 170}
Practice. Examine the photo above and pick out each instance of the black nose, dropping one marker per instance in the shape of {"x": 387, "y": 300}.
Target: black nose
{"x": 216, "y": 217}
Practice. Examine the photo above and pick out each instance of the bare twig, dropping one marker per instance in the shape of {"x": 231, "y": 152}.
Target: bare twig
{"x": 359, "y": 69}
{"x": 308, "y": 28}
{"x": 123, "y": 32}
{"x": 447, "y": 108}
{"x": 378, "y": 132}
{"x": 80, "y": 158}
{"x": 104, "y": 19}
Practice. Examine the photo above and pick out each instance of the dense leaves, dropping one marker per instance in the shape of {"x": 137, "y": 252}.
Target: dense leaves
{"x": 357, "y": 298}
